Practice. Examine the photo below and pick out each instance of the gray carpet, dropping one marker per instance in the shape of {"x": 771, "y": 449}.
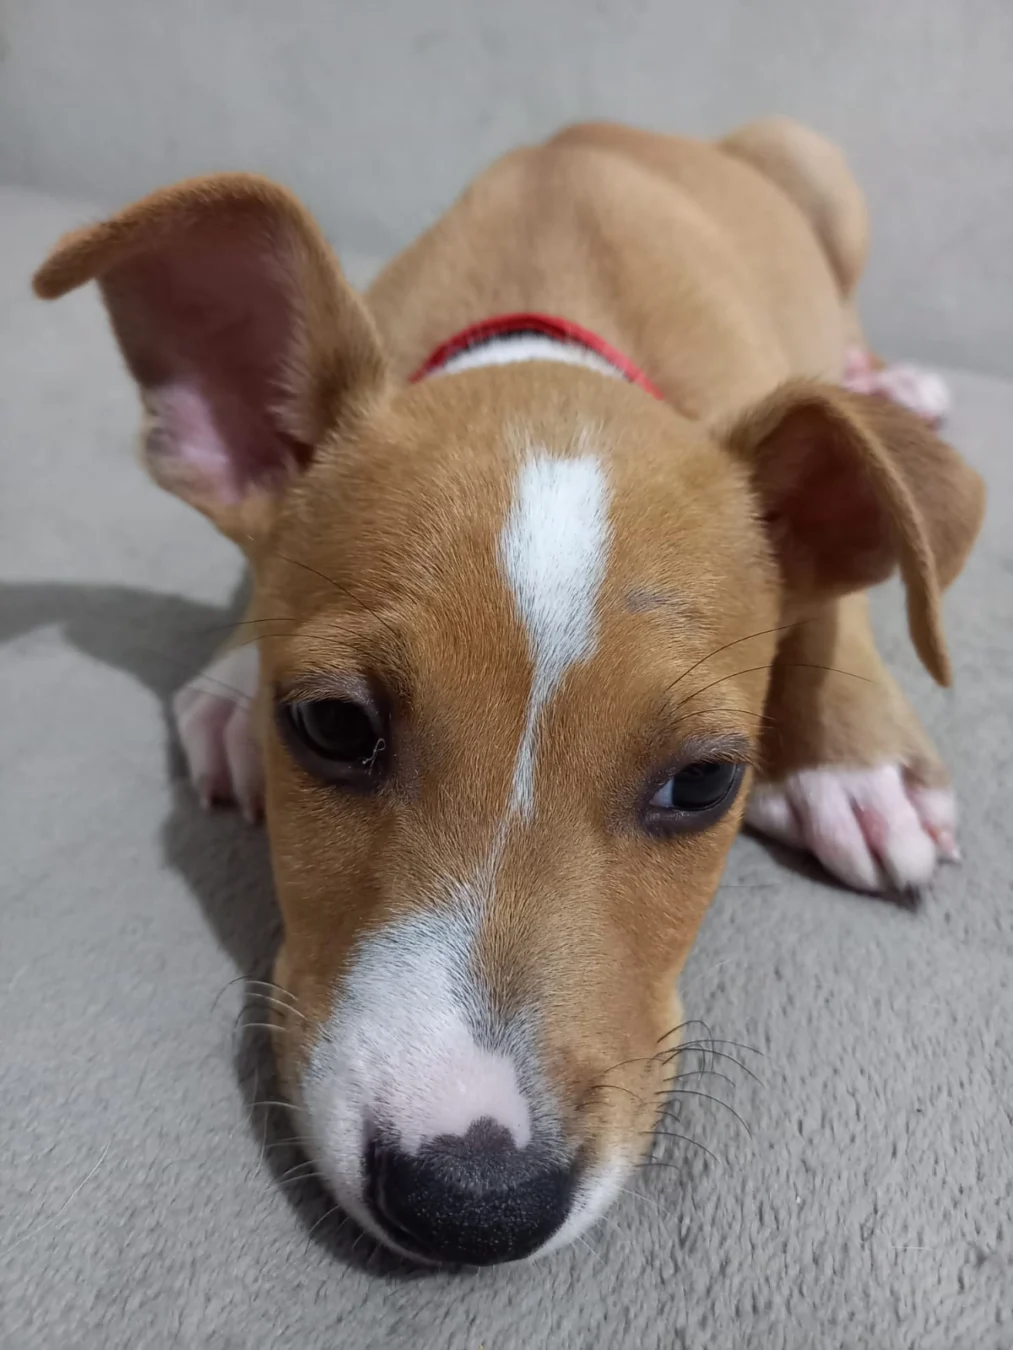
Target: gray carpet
{"x": 868, "y": 1205}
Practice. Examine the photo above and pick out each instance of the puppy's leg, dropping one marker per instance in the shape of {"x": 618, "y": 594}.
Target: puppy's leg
{"x": 815, "y": 175}
{"x": 214, "y": 715}
{"x": 849, "y": 774}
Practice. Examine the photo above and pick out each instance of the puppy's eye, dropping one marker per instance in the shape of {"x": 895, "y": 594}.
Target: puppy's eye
{"x": 334, "y": 729}
{"x": 336, "y": 739}
{"x": 696, "y": 796}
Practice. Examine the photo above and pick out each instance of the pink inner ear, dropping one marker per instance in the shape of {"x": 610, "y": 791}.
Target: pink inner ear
{"x": 187, "y": 434}
{"x": 207, "y": 324}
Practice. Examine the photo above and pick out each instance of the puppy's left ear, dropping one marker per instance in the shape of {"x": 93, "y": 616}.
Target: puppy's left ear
{"x": 248, "y": 344}
{"x": 853, "y": 486}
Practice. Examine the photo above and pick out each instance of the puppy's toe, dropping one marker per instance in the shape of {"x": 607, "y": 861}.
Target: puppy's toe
{"x": 874, "y": 829}
{"x": 245, "y": 769}
{"x": 937, "y": 811}
{"x": 215, "y": 724}
{"x": 922, "y": 391}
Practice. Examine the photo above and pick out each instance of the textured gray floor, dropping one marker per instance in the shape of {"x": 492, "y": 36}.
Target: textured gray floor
{"x": 139, "y": 1207}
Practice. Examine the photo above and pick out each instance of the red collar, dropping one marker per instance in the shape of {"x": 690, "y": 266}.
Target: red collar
{"x": 543, "y": 325}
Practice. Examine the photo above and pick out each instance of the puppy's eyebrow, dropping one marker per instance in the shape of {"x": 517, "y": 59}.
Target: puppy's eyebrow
{"x": 731, "y": 747}
{"x": 644, "y": 600}
{"x": 324, "y": 684}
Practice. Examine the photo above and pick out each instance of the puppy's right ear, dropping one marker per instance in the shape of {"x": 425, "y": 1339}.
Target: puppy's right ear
{"x": 234, "y": 318}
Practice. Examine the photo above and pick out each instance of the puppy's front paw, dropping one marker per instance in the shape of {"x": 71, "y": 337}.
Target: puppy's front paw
{"x": 214, "y": 718}
{"x": 872, "y": 828}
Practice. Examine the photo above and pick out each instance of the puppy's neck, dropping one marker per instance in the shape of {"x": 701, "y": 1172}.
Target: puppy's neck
{"x": 510, "y": 338}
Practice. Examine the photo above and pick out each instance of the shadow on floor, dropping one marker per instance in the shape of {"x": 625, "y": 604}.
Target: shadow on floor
{"x": 161, "y": 640}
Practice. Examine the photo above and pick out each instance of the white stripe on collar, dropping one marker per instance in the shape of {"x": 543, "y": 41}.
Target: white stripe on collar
{"x": 505, "y": 349}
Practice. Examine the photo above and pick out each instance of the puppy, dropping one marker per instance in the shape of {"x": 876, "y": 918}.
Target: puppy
{"x": 560, "y": 538}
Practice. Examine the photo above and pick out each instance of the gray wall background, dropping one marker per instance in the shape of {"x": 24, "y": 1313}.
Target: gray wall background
{"x": 378, "y": 111}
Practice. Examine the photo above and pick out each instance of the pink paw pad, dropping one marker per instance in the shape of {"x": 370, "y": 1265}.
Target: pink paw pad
{"x": 871, "y": 828}
{"x": 214, "y": 719}
{"x": 922, "y": 391}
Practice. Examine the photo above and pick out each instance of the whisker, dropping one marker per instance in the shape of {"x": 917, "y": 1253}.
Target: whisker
{"x": 708, "y": 1042}
{"x": 316, "y": 1178}
{"x": 277, "y": 1004}
{"x": 639, "y": 1195}
{"x": 221, "y": 992}
{"x": 260, "y": 637}
{"x": 266, "y": 1122}
{"x": 241, "y": 1016}
{"x": 693, "y": 1073}
{"x": 334, "y": 1209}
{"x": 284, "y": 1106}
{"x": 613, "y": 1087}
{"x": 638, "y": 1059}
{"x": 612, "y": 1223}
{"x": 235, "y": 624}
{"x": 690, "y": 1022}
{"x": 290, "y": 1178}
{"x": 239, "y": 695}
{"x": 295, "y": 1141}
{"x": 344, "y": 590}
{"x": 259, "y": 1026}
{"x": 672, "y": 1134}
{"x": 290, "y": 1171}
{"x": 743, "y": 712}
{"x": 715, "y": 1054}
{"x": 668, "y": 1115}
{"x": 763, "y": 632}
{"x": 264, "y": 984}
{"x": 692, "y": 1092}
{"x": 38, "y": 1226}
{"x": 584, "y": 1243}
{"x": 363, "y": 1237}
{"x": 792, "y": 665}
{"x": 269, "y": 984}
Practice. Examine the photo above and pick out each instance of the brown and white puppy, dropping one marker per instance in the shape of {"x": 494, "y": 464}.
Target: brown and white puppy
{"x": 524, "y": 638}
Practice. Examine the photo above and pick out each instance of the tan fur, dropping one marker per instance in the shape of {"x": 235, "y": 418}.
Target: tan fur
{"x": 832, "y": 701}
{"x": 724, "y": 270}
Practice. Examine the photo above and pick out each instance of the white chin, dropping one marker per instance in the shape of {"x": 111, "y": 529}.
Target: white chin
{"x": 594, "y": 1195}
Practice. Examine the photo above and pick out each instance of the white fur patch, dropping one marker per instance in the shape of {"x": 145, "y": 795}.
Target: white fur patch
{"x": 401, "y": 1049}
{"x": 554, "y": 550}
{"x": 504, "y": 351}
{"x": 595, "y": 1194}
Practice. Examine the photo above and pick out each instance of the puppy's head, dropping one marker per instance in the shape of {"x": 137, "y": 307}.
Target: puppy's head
{"x": 515, "y": 629}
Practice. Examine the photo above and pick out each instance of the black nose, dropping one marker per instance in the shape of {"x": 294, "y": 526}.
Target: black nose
{"x": 471, "y": 1199}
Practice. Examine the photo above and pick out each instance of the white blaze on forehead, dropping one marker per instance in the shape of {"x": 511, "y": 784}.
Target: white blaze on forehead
{"x": 554, "y": 550}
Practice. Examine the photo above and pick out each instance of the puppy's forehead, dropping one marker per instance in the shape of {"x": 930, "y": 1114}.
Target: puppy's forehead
{"x": 509, "y": 496}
